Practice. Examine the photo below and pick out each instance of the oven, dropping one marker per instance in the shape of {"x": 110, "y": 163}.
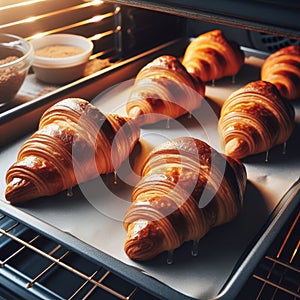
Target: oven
{"x": 59, "y": 249}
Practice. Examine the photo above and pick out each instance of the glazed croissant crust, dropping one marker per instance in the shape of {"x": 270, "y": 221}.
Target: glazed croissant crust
{"x": 163, "y": 89}
{"x": 211, "y": 56}
{"x": 75, "y": 142}
{"x": 282, "y": 68}
{"x": 187, "y": 187}
{"x": 254, "y": 119}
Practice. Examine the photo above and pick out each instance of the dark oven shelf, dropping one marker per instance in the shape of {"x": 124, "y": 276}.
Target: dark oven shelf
{"x": 277, "y": 276}
{"x": 33, "y": 266}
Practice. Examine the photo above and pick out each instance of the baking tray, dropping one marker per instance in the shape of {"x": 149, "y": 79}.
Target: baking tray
{"x": 227, "y": 254}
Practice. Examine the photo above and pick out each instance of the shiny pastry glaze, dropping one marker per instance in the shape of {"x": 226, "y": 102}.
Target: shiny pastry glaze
{"x": 282, "y": 68}
{"x": 186, "y": 188}
{"x": 211, "y": 56}
{"x": 254, "y": 119}
{"x": 75, "y": 142}
{"x": 163, "y": 89}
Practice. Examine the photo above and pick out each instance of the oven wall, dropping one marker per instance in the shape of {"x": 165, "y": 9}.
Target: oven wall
{"x": 248, "y": 38}
{"x": 117, "y": 31}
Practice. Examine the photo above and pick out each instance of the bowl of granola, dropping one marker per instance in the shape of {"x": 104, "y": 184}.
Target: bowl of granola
{"x": 16, "y": 57}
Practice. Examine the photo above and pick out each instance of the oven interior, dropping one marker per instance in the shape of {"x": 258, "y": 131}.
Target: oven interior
{"x": 38, "y": 261}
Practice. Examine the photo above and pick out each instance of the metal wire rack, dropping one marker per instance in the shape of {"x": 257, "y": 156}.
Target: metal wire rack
{"x": 37, "y": 267}
{"x": 97, "y": 21}
{"x": 93, "y": 19}
{"x": 277, "y": 276}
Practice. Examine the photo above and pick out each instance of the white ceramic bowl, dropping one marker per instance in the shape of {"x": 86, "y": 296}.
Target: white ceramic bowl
{"x": 61, "y": 70}
{"x": 16, "y": 56}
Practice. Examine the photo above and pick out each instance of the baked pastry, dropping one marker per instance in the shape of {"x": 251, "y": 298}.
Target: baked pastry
{"x": 211, "y": 56}
{"x": 282, "y": 68}
{"x": 163, "y": 89}
{"x": 254, "y": 119}
{"x": 75, "y": 142}
{"x": 187, "y": 188}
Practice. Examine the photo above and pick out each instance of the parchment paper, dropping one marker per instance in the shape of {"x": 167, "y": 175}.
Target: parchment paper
{"x": 95, "y": 212}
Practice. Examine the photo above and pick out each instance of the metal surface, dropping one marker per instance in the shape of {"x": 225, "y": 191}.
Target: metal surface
{"x": 36, "y": 267}
{"x": 39, "y": 262}
{"x": 280, "y": 18}
{"x": 269, "y": 42}
{"x": 277, "y": 275}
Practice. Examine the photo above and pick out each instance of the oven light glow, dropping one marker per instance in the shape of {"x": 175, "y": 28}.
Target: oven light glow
{"x": 20, "y": 3}
{"x": 102, "y": 35}
{"x": 38, "y": 35}
{"x": 94, "y": 2}
{"x": 97, "y": 37}
{"x": 99, "y": 18}
{"x": 30, "y": 19}
{"x": 96, "y": 19}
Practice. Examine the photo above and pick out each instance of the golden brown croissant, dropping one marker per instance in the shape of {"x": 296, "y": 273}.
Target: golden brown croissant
{"x": 75, "y": 142}
{"x": 187, "y": 187}
{"x": 211, "y": 56}
{"x": 282, "y": 68}
{"x": 163, "y": 89}
{"x": 254, "y": 119}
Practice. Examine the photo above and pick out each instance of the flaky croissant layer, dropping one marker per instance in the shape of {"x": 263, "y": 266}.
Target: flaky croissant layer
{"x": 75, "y": 142}
{"x": 187, "y": 187}
{"x": 254, "y": 119}
{"x": 282, "y": 68}
{"x": 163, "y": 89}
{"x": 211, "y": 56}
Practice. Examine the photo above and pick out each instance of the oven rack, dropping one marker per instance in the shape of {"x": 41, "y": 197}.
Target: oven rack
{"x": 277, "y": 275}
{"x": 34, "y": 266}
{"x": 120, "y": 35}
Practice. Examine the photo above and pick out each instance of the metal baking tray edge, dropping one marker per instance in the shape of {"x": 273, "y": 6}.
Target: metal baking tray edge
{"x": 236, "y": 280}
{"x": 260, "y": 244}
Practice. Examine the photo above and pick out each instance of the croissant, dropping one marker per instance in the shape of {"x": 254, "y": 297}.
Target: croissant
{"x": 254, "y": 119}
{"x": 187, "y": 188}
{"x": 282, "y": 68}
{"x": 163, "y": 89}
{"x": 74, "y": 143}
{"x": 211, "y": 56}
